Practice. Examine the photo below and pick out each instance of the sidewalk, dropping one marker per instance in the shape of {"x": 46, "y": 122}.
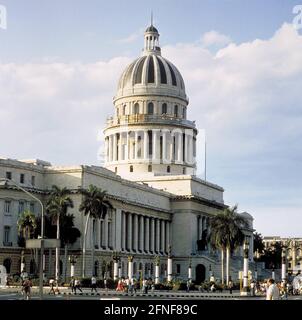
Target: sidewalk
{"x": 156, "y": 293}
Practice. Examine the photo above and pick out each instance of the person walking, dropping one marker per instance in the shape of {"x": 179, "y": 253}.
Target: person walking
{"x": 77, "y": 285}
{"x": 27, "y": 284}
{"x": 188, "y": 285}
{"x": 230, "y": 285}
{"x": 72, "y": 284}
{"x": 253, "y": 288}
{"x": 52, "y": 286}
{"x": 272, "y": 292}
{"x": 93, "y": 284}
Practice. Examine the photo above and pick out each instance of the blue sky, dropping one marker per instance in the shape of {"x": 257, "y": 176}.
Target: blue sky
{"x": 241, "y": 62}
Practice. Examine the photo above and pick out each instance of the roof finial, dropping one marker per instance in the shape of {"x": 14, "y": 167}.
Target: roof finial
{"x": 151, "y": 18}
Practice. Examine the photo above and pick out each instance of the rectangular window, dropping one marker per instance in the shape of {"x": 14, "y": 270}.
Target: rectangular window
{"x": 178, "y": 268}
{"x": 9, "y": 175}
{"x": 33, "y": 181}
{"x": 7, "y": 205}
{"x": 21, "y": 207}
{"x": 32, "y": 207}
{"x": 22, "y": 178}
{"x": 6, "y": 235}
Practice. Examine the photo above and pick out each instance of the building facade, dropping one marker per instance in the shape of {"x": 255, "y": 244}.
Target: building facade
{"x": 157, "y": 200}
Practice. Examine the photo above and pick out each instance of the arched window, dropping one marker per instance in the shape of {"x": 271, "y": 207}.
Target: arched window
{"x": 7, "y": 264}
{"x": 117, "y": 112}
{"x": 184, "y": 112}
{"x": 183, "y": 170}
{"x": 134, "y": 268}
{"x": 164, "y": 108}
{"x": 131, "y": 168}
{"x": 124, "y": 109}
{"x": 168, "y": 169}
{"x": 176, "y": 111}
{"x": 149, "y": 168}
{"x": 151, "y": 268}
{"x": 136, "y": 108}
{"x": 150, "y": 108}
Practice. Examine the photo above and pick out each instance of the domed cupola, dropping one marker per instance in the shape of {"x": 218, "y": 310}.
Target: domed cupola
{"x": 151, "y": 73}
{"x": 149, "y": 132}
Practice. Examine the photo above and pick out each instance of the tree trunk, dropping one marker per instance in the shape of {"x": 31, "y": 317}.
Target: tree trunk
{"x": 65, "y": 262}
{"x": 58, "y": 252}
{"x": 222, "y": 266}
{"x": 92, "y": 248}
{"x": 227, "y": 265}
{"x": 84, "y": 247}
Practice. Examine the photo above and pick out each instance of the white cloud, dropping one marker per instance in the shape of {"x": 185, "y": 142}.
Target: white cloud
{"x": 214, "y": 38}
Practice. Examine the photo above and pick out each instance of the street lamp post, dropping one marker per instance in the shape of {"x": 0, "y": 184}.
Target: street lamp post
{"x": 245, "y": 289}
{"x": 283, "y": 267}
{"x": 72, "y": 259}
{"x": 7, "y": 181}
{"x": 116, "y": 259}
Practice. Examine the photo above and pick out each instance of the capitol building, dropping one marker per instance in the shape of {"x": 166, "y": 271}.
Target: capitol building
{"x": 149, "y": 173}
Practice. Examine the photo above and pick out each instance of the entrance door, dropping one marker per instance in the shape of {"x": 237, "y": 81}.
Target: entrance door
{"x": 200, "y": 273}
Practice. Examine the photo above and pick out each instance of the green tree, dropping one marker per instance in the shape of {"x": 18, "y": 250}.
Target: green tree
{"x": 57, "y": 206}
{"x": 258, "y": 244}
{"x": 94, "y": 205}
{"x": 226, "y": 235}
{"x": 26, "y": 227}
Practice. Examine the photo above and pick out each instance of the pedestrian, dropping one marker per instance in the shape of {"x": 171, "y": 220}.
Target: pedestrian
{"x": 188, "y": 285}
{"x": 230, "y": 285}
{"x": 52, "y": 286}
{"x": 252, "y": 288}
{"x": 27, "y": 284}
{"x": 127, "y": 282}
{"x": 72, "y": 284}
{"x": 93, "y": 284}
{"x": 77, "y": 285}
{"x": 213, "y": 288}
{"x": 272, "y": 292}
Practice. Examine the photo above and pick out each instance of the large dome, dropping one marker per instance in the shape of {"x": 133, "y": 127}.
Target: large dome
{"x": 151, "y": 73}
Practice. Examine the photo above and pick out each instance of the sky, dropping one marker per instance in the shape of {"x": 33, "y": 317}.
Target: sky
{"x": 241, "y": 61}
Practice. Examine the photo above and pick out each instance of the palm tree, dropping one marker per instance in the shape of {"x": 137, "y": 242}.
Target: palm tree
{"x": 57, "y": 207}
{"x": 226, "y": 234}
{"x": 95, "y": 206}
{"x": 26, "y": 227}
{"x": 69, "y": 235}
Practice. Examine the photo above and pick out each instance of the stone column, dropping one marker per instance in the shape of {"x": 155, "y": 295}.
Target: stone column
{"x": 164, "y": 135}
{"x": 117, "y": 229}
{"x": 136, "y": 145}
{"x": 156, "y": 146}
{"x": 135, "y": 233}
{"x": 158, "y": 235}
{"x": 106, "y": 232}
{"x": 114, "y": 147}
{"x": 141, "y": 235}
{"x": 146, "y": 145}
{"x": 110, "y": 147}
{"x": 147, "y": 235}
{"x": 124, "y": 221}
{"x": 152, "y": 249}
{"x": 180, "y": 148}
{"x": 167, "y": 235}
{"x": 106, "y": 149}
{"x": 129, "y": 232}
{"x": 162, "y": 242}
{"x": 120, "y": 147}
